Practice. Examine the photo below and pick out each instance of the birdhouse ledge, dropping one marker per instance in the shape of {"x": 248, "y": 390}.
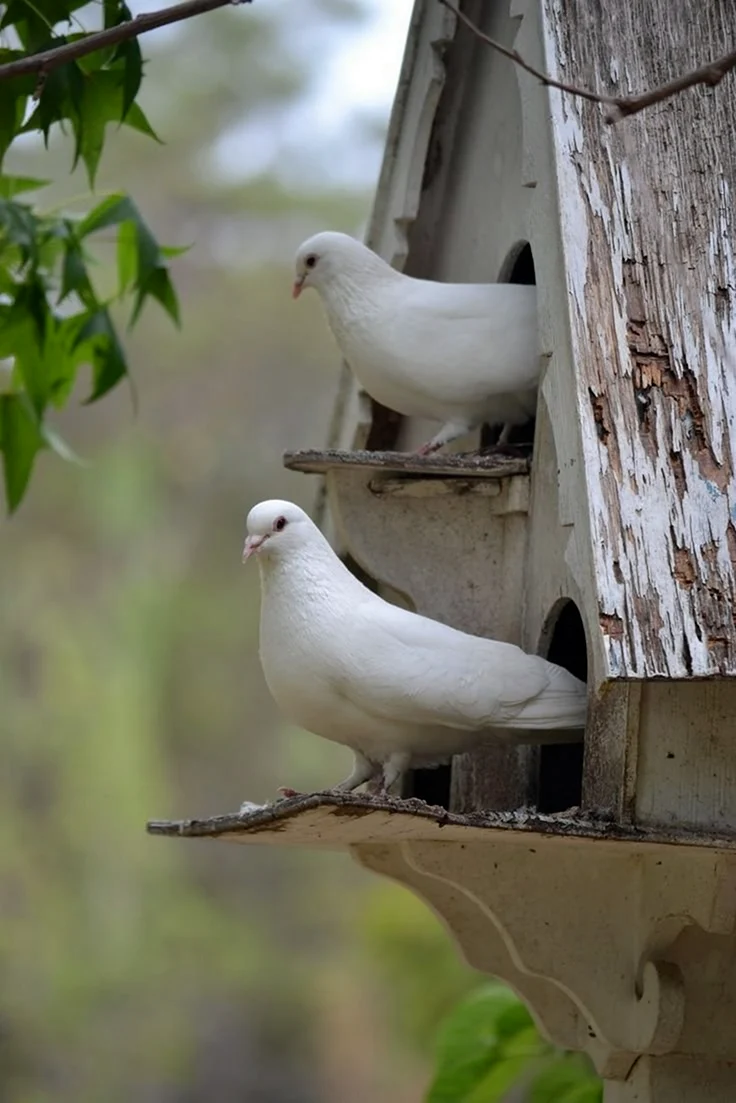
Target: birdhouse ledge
{"x": 336, "y": 821}
{"x": 496, "y": 879}
{"x": 489, "y": 464}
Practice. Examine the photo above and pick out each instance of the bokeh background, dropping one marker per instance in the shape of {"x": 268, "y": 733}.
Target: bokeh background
{"x": 145, "y": 969}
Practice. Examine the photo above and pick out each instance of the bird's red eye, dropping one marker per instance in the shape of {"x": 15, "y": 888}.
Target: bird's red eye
{"x": 279, "y": 524}
{"x": 310, "y": 261}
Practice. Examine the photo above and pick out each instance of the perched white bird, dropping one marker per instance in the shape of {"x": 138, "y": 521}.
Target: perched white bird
{"x": 459, "y": 353}
{"x": 397, "y": 688}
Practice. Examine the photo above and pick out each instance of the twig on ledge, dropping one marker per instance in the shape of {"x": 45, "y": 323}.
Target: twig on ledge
{"x": 711, "y": 73}
{"x": 43, "y": 63}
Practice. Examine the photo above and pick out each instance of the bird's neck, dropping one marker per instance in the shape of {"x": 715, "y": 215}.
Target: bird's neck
{"x": 359, "y": 290}
{"x": 316, "y": 576}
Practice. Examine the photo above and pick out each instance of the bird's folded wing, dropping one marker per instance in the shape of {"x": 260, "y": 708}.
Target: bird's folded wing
{"x": 417, "y": 671}
{"x": 454, "y": 301}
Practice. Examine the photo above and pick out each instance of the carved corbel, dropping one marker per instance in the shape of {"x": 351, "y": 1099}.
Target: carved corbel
{"x": 556, "y": 1015}
{"x": 595, "y": 922}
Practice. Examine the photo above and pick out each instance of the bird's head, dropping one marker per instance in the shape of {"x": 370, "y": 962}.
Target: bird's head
{"x": 275, "y": 528}
{"x": 328, "y": 257}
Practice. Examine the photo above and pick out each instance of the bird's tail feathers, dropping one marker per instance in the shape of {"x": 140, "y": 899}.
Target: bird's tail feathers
{"x": 562, "y": 704}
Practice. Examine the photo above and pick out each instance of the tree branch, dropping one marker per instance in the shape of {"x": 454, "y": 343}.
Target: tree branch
{"x": 621, "y": 106}
{"x": 43, "y": 63}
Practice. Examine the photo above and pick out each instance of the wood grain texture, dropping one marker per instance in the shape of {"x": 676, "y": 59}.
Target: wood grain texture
{"x": 676, "y": 1079}
{"x": 470, "y": 464}
{"x": 647, "y": 229}
{"x": 686, "y": 757}
{"x": 339, "y": 820}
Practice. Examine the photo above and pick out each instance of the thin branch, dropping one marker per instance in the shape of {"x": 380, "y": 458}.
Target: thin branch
{"x": 44, "y": 62}
{"x": 516, "y": 57}
{"x": 712, "y": 73}
{"x": 621, "y": 106}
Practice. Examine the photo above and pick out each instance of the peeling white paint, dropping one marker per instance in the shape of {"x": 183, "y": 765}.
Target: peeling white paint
{"x": 657, "y": 461}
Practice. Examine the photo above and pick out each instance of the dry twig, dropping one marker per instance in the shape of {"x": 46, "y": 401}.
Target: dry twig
{"x": 621, "y": 106}
{"x": 43, "y": 63}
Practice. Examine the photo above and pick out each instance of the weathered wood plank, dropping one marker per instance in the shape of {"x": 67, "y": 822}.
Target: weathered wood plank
{"x": 469, "y": 464}
{"x": 338, "y": 820}
{"x": 647, "y": 233}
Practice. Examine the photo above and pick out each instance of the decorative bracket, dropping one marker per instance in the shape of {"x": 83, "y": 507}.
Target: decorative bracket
{"x": 605, "y": 930}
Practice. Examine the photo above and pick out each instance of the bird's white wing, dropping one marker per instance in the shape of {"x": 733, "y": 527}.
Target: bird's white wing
{"x": 455, "y": 301}
{"x": 409, "y": 669}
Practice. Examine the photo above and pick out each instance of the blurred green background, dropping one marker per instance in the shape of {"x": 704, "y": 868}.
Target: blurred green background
{"x": 144, "y": 969}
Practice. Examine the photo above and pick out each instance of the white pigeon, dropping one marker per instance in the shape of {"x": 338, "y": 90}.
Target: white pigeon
{"x": 399, "y": 689}
{"x": 460, "y": 353}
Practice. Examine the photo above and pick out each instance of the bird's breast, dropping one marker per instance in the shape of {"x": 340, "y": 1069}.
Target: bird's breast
{"x": 381, "y": 363}
{"x": 295, "y": 652}
{"x": 424, "y": 365}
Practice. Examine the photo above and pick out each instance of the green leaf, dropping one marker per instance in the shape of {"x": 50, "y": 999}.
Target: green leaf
{"x": 114, "y": 13}
{"x": 469, "y": 1045}
{"x": 498, "y": 1081}
{"x": 103, "y": 102}
{"x": 32, "y": 305}
{"x": 514, "y": 1021}
{"x": 7, "y": 282}
{"x": 21, "y": 441}
{"x": 12, "y": 109}
{"x": 95, "y": 61}
{"x": 490, "y": 1045}
{"x": 74, "y": 276}
{"x": 138, "y": 121}
{"x": 54, "y": 234}
{"x": 127, "y": 255}
{"x": 110, "y": 212}
{"x": 129, "y": 56}
{"x": 64, "y": 354}
{"x": 175, "y": 250}
{"x": 61, "y": 97}
{"x": 19, "y": 226}
{"x": 48, "y": 12}
{"x": 41, "y": 345}
{"x": 159, "y": 286}
{"x": 12, "y": 323}
{"x": 149, "y": 254}
{"x": 108, "y": 359}
{"x": 139, "y": 256}
{"x": 15, "y": 185}
{"x": 566, "y": 1078}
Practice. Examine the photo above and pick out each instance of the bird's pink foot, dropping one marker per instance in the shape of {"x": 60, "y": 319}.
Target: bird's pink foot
{"x": 428, "y": 449}
{"x": 285, "y": 792}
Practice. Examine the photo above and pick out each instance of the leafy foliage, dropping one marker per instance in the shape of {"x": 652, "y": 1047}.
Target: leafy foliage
{"x": 86, "y": 93}
{"x": 489, "y": 1045}
{"x": 53, "y": 316}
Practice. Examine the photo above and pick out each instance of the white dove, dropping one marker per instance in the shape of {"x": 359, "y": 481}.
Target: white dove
{"x": 459, "y": 353}
{"x": 399, "y": 689}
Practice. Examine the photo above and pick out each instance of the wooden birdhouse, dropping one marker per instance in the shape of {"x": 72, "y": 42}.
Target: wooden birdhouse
{"x": 598, "y": 878}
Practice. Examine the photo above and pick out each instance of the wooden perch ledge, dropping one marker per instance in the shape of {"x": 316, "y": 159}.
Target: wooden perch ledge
{"x": 337, "y": 821}
{"x": 477, "y": 465}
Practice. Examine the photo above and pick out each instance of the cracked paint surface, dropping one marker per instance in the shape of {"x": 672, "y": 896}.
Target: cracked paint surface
{"x": 648, "y": 228}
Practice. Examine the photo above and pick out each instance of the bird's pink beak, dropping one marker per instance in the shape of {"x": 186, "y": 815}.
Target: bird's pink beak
{"x": 252, "y": 544}
{"x": 298, "y": 287}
